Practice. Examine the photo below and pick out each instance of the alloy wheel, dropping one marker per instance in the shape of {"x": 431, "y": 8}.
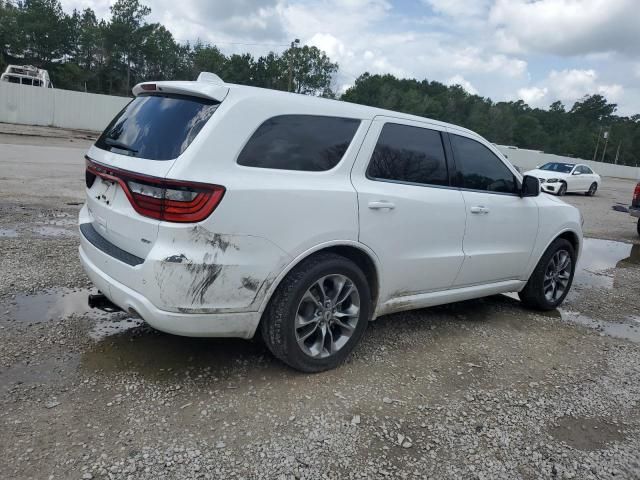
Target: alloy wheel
{"x": 557, "y": 275}
{"x": 327, "y": 316}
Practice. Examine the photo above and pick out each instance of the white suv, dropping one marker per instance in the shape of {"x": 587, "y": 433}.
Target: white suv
{"x": 217, "y": 210}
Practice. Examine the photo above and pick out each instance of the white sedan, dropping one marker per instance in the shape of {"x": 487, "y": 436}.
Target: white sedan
{"x": 560, "y": 178}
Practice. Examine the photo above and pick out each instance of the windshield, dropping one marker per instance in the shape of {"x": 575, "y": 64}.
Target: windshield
{"x": 157, "y": 127}
{"x": 558, "y": 167}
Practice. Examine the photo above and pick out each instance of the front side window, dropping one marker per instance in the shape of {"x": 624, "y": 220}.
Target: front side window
{"x": 478, "y": 168}
{"x": 157, "y": 127}
{"x": 299, "y": 142}
{"x": 409, "y": 154}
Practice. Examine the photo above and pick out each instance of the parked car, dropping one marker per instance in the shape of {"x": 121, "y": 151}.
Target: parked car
{"x": 223, "y": 210}
{"x": 560, "y": 178}
{"x": 634, "y": 209}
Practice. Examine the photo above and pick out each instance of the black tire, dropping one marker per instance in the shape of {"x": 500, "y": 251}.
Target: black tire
{"x": 592, "y": 190}
{"x": 563, "y": 189}
{"x": 639, "y": 226}
{"x": 277, "y": 326}
{"x": 532, "y": 295}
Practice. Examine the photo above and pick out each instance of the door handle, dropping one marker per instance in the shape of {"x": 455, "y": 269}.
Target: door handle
{"x": 381, "y": 204}
{"x": 479, "y": 210}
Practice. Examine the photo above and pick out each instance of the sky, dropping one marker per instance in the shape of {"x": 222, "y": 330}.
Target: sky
{"x": 539, "y": 51}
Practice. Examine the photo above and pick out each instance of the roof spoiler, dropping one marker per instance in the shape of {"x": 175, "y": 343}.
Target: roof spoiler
{"x": 209, "y": 85}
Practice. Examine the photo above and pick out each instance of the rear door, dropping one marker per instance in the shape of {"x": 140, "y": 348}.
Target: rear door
{"x": 145, "y": 138}
{"x": 409, "y": 215}
{"x": 501, "y": 227}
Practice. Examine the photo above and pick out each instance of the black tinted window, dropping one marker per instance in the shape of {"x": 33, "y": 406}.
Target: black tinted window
{"x": 299, "y": 142}
{"x": 409, "y": 154}
{"x": 157, "y": 127}
{"x": 480, "y": 169}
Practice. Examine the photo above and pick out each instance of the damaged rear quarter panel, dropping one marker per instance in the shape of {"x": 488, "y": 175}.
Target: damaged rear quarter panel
{"x": 197, "y": 271}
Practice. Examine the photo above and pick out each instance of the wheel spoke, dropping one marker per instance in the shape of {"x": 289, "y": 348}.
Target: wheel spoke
{"x": 310, "y": 297}
{"x": 311, "y": 331}
{"x": 345, "y": 293}
{"x": 302, "y": 322}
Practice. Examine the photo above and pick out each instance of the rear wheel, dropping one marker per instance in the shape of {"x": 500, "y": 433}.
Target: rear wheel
{"x": 318, "y": 314}
{"x": 551, "y": 280}
{"x": 563, "y": 189}
{"x": 639, "y": 226}
{"x": 592, "y": 190}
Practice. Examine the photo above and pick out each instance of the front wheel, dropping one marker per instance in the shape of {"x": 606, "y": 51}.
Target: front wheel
{"x": 592, "y": 190}
{"x": 551, "y": 280}
{"x": 318, "y": 314}
{"x": 639, "y": 226}
{"x": 563, "y": 189}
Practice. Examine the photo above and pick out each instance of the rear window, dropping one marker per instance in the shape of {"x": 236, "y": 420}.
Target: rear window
{"x": 157, "y": 127}
{"x": 299, "y": 142}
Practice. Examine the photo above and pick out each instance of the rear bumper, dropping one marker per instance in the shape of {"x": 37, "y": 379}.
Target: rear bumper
{"x": 242, "y": 325}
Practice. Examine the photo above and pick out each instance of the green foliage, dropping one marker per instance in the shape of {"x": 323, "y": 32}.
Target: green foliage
{"x": 573, "y": 133}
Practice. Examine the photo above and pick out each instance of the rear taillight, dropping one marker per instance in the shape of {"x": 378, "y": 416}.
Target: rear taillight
{"x": 636, "y": 196}
{"x": 167, "y": 200}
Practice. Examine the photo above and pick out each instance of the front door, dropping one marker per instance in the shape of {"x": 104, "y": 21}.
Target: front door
{"x": 501, "y": 226}
{"x": 409, "y": 215}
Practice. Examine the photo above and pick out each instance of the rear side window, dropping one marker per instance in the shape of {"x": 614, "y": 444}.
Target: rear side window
{"x": 299, "y": 142}
{"x": 157, "y": 127}
{"x": 409, "y": 154}
{"x": 478, "y": 168}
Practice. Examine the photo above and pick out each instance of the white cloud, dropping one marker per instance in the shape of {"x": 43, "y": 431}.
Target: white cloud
{"x": 464, "y": 83}
{"x": 568, "y": 86}
{"x": 570, "y": 27}
{"x": 533, "y": 96}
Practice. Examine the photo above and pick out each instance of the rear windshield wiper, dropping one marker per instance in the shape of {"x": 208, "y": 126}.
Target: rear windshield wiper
{"x": 120, "y": 146}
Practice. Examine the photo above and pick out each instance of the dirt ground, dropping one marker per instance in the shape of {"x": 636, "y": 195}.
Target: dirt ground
{"x": 480, "y": 390}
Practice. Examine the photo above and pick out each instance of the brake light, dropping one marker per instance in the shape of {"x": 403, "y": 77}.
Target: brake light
{"x": 167, "y": 200}
{"x": 636, "y": 196}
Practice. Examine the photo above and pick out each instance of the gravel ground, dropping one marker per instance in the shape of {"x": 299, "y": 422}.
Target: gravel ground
{"x": 478, "y": 389}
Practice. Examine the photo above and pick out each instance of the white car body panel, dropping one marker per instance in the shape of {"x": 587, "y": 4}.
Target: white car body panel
{"x": 215, "y": 278}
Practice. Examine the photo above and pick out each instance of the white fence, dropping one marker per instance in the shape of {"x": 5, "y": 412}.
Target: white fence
{"x": 530, "y": 159}
{"x": 57, "y": 108}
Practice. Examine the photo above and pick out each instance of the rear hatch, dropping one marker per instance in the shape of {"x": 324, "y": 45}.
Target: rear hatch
{"x": 127, "y": 196}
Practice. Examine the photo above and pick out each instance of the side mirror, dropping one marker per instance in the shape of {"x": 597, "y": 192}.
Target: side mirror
{"x": 530, "y": 186}
{"x": 575, "y": 173}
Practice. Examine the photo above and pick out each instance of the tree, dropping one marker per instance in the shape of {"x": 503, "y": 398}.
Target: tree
{"x": 124, "y": 34}
{"x": 44, "y": 29}
{"x": 312, "y": 70}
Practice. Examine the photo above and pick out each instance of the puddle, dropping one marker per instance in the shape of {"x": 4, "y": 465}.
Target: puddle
{"x": 48, "y": 305}
{"x": 600, "y": 258}
{"x": 8, "y": 233}
{"x": 630, "y": 330}
{"x": 158, "y": 355}
{"x": 586, "y": 434}
{"x": 49, "y": 231}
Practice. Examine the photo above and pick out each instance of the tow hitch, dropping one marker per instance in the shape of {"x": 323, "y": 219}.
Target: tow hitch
{"x": 101, "y": 302}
